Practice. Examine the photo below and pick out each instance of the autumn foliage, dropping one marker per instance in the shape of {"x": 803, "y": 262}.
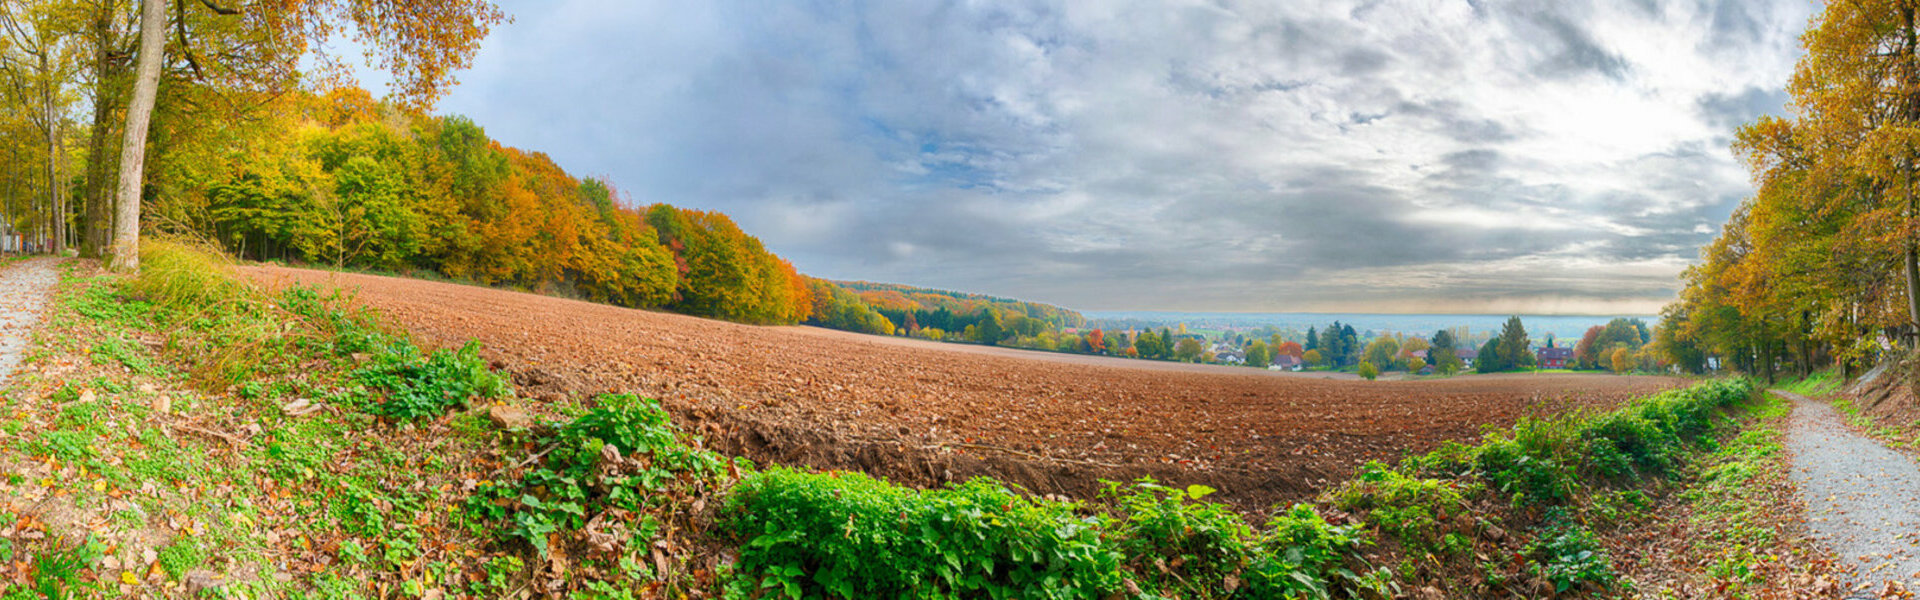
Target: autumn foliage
{"x": 1820, "y": 265}
{"x": 345, "y": 181}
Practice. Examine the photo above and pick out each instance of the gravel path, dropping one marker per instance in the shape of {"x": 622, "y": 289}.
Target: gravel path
{"x": 24, "y": 288}
{"x": 1863, "y": 499}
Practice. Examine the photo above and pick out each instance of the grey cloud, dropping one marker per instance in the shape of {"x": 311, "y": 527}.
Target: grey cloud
{"x": 1237, "y": 155}
{"x": 1731, "y": 110}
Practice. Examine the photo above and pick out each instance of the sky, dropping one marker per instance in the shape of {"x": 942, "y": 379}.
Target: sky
{"x": 1561, "y": 157}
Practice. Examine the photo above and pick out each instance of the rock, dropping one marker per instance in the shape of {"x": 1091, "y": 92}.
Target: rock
{"x": 509, "y": 417}
{"x": 201, "y": 580}
{"x": 299, "y": 407}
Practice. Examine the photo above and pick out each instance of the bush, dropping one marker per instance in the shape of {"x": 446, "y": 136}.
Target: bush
{"x": 1569, "y": 556}
{"x": 847, "y": 535}
{"x": 1303, "y": 557}
{"x": 1368, "y": 371}
{"x": 428, "y": 386}
{"x": 1416, "y": 511}
{"x": 619, "y": 458}
{"x": 1174, "y": 539}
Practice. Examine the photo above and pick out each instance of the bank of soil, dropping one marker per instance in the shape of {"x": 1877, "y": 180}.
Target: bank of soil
{"x": 925, "y": 413}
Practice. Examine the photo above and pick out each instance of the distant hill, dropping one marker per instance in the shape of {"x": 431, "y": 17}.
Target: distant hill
{"x": 893, "y": 297}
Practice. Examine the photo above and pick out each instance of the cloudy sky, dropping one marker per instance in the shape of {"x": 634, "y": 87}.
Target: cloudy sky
{"x": 1301, "y": 155}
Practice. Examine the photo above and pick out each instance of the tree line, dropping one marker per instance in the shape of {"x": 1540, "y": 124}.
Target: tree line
{"x": 1820, "y": 266}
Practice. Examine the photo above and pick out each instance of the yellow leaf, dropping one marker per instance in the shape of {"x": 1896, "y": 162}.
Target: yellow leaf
{"x": 99, "y": 485}
{"x": 128, "y": 578}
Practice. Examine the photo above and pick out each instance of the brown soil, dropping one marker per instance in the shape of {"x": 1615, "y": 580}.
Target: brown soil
{"x": 924, "y": 413}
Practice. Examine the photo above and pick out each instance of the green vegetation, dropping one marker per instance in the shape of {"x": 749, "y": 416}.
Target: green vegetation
{"x": 1731, "y": 497}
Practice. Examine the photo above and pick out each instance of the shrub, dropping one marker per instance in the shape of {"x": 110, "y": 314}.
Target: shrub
{"x": 1304, "y": 557}
{"x": 1569, "y": 556}
{"x": 847, "y": 535}
{"x": 1175, "y": 540}
{"x": 1416, "y": 511}
{"x": 621, "y": 457}
{"x": 417, "y": 386}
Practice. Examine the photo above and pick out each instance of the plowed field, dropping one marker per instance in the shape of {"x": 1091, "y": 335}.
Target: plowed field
{"x": 924, "y": 413}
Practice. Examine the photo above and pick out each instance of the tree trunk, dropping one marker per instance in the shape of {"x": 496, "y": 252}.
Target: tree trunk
{"x": 133, "y": 151}
{"x": 1910, "y": 253}
{"x": 98, "y": 219}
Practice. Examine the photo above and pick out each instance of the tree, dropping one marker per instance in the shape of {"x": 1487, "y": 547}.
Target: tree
{"x": 133, "y": 150}
{"x": 1621, "y": 360}
{"x": 1490, "y": 360}
{"x": 1411, "y": 364}
{"x": 1312, "y": 358}
{"x": 1313, "y": 340}
{"x": 1368, "y": 371}
{"x": 1586, "y": 353}
{"x": 1448, "y": 363}
{"x": 1859, "y": 86}
{"x": 1292, "y": 349}
{"x": 1259, "y": 354}
{"x": 1443, "y": 348}
{"x": 990, "y": 331}
{"x": 1096, "y": 341}
{"x": 1188, "y": 349}
{"x": 1330, "y": 345}
{"x": 1514, "y": 349}
{"x": 421, "y": 43}
{"x": 1382, "y": 350}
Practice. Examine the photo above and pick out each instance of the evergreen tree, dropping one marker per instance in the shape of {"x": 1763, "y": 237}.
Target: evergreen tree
{"x": 1489, "y": 361}
{"x": 1350, "y": 345}
{"x": 1313, "y": 339}
{"x": 1513, "y": 345}
{"x": 1442, "y": 346}
{"x": 990, "y": 332}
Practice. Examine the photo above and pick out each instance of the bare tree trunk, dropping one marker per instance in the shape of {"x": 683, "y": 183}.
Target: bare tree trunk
{"x": 133, "y": 152}
{"x": 56, "y": 207}
{"x": 99, "y": 200}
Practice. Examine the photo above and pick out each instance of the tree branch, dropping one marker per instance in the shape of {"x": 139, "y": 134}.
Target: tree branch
{"x": 217, "y": 9}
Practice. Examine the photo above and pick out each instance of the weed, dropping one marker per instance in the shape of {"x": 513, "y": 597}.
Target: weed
{"x": 1569, "y": 556}
{"x": 182, "y": 555}
{"x": 418, "y": 386}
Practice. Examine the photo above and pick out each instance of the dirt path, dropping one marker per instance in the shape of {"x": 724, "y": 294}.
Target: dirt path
{"x": 1863, "y": 499}
{"x": 24, "y": 287}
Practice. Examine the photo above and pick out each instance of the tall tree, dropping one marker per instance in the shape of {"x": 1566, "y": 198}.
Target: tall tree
{"x": 1514, "y": 347}
{"x": 133, "y": 150}
{"x": 421, "y": 43}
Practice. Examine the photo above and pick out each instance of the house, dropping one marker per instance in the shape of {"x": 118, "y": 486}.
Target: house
{"x": 1231, "y": 357}
{"x": 1286, "y": 362}
{"x": 1420, "y": 354}
{"x": 1553, "y": 357}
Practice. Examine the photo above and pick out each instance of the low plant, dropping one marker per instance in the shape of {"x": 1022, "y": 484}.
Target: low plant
{"x": 847, "y": 535}
{"x": 617, "y": 461}
{"x": 413, "y": 385}
{"x": 1571, "y": 558}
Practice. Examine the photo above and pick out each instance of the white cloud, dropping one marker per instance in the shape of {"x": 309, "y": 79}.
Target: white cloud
{"x": 1195, "y": 155}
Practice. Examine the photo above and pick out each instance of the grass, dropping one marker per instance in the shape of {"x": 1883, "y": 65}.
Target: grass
{"x": 1818, "y": 384}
